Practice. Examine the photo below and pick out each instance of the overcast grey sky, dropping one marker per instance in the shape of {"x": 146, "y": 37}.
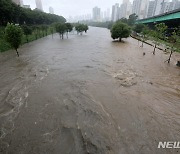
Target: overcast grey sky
{"x": 68, "y": 8}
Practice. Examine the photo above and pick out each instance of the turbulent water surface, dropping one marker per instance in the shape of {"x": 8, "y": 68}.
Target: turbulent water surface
{"x": 87, "y": 94}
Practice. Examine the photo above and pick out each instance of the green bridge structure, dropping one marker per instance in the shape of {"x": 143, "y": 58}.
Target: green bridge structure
{"x": 171, "y": 19}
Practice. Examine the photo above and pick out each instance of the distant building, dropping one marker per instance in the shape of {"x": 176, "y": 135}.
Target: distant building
{"x": 136, "y": 7}
{"x": 27, "y": 6}
{"x": 106, "y": 15}
{"x": 151, "y": 8}
{"x": 140, "y": 8}
{"x": 39, "y": 5}
{"x": 96, "y": 14}
{"x": 158, "y": 4}
{"x": 115, "y": 12}
{"x": 125, "y": 9}
{"x": 143, "y": 9}
{"x": 129, "y": 9}
{"x": 51, "y": 10}
{"x": 175, "y": 4}
{"x": 165, "y": 6}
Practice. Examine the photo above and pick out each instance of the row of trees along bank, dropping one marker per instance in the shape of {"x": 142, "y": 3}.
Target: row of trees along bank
{"x": 34, "y": 23}
{"x": 30, "y": 33}
{"x": 14, "y": 33}
{"x": 157, "y": 36}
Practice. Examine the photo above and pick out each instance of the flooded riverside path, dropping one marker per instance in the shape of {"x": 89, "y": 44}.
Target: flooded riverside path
{"x": 87, "y": 94}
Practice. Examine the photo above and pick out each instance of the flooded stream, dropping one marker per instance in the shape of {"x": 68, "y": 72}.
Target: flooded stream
{"x": 87, "y": 94}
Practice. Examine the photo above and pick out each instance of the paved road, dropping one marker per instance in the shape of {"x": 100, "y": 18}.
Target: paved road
{"x": 87, "y": 94}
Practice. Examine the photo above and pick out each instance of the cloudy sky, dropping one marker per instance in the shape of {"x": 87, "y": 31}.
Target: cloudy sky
{"x": 68, "y": 8}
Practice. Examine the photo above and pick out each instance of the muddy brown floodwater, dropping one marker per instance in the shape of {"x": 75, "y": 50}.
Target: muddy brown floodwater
{"x": 87, "y": 94}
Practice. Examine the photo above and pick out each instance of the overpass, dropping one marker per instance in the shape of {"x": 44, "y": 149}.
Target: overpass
{"x": 171, "y": 19}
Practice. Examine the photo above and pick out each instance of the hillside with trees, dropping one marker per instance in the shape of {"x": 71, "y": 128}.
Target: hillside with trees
{"x": 12, "y": 13}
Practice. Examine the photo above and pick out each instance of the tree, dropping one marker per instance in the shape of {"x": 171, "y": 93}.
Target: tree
{"x": 174, "y": 41}
{"x": 10, "y": 12}
{"x": 138, "y": 28}
{"x": 124, "y": 20}
{"x": 120, "y": 30}
{"x": 86, "y": 28}
{"x": 144, "y": 33}
{"x": 61, "y": 29}
{"x": 44, "y": 30}
{"x": 27, "y": 31}
{"x": 13, "y": 35}
{"x": 110, "y": 24}
{"x": 80, "y": 28}
{"x": 69, "y": 28}
{"x": 51, "y": 30}
{"x": 36, "y": 31}
{"x": 158, "y": 34}
{"x": 132, "y": 19}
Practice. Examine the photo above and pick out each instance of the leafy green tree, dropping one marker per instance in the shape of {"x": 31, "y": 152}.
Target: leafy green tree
{"x": 174, "y": 41}
{"x": 5, "y": 11}
{"x": 13, "y": 35}
{"x": 110, "y": 24}
{"x": 61, "y": 29}
{"x": 69, "y": 28}
{"x": 124, "y": 20}
{"x": 120, "y": 30}
{"x": 138, "y": 28}
{"x": 10, "y": 12}
{"x": 132, "y": 19}
{"x": 27, "y": 31}
{"x": 80, "y": 28}
{"x": 36, "y": 31}
{"x": 51, "y": 30}
{"x": 86, "y": 28}
{"x": 158, "y": 34}
{"x": 144, "y": 33}
{"x": 44, "y": 30}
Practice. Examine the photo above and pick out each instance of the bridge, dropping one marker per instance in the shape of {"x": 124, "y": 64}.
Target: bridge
{"x": 171, "y": 19}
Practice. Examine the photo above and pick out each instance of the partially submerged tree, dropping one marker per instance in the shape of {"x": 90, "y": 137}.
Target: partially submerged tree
{"x": 80, "y": 28}
{"x": 174, "y": 41}
{"x": 158, "y": 34}
{"x": 61, "y": 29}
{"x": 144, "y": 33}
{"x": 69, "y": 28}
{"x": 86, "y": 28}
{"x": 27, "y": 31}
{"x": 13, "y": 35}
{"x": 120, "y": 30}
